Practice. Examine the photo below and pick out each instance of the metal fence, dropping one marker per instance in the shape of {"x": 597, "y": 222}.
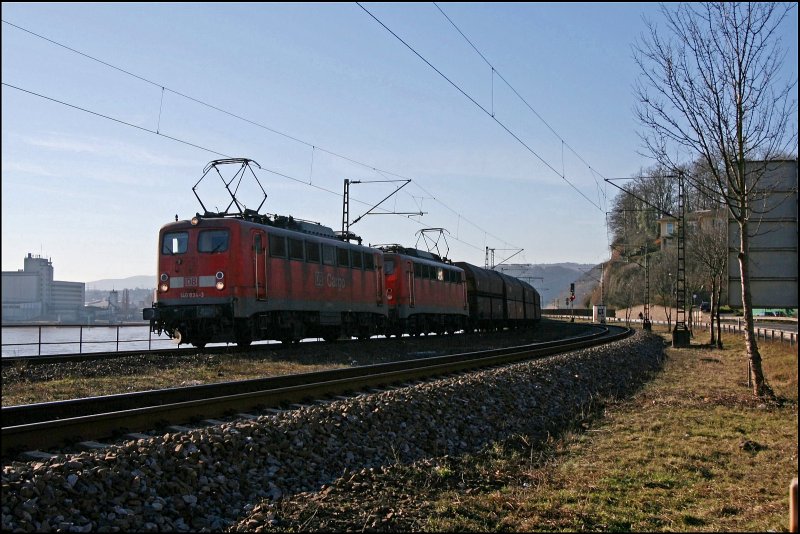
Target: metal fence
{"x": 773, "y": 334}
{"x": 38, "y": 340}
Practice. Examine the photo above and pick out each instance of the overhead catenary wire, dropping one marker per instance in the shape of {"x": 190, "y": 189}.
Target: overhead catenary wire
{"x": 481, "y": 107}
{"x": 524, "y": 101}
{"x": 200, "y": 147}
{"x": 164, "y": 87}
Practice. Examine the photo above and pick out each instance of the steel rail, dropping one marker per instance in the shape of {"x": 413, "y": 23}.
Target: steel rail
{"x": 49, "y": 425}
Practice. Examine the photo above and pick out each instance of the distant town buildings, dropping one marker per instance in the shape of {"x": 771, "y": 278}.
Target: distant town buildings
{"x": 32, "y": 294}
{"x": 703, "y": 220}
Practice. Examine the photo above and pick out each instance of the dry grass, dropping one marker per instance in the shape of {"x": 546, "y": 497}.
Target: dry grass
{"x": 151, "y": 377}
{"x": 693, "y": 451}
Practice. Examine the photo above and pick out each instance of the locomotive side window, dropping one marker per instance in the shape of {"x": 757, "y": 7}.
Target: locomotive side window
{"x": 277, "y": 246}
{"x": 312, "y": 252}
{"x": 175, "y": 243}
{"x": 369, "y": 262}
{"x": 440, "y": 274}
{"x": 343, "y": 257}
{"x": 296, "y": 249}
{"x": 212, "y": 241}
{"x": 328, "y": 255}
{"x": 417, "y": 270}
{"x": 356, "y": 259}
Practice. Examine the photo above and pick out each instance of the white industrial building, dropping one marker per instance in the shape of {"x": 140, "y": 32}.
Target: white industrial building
{"x": 32, "y": 294}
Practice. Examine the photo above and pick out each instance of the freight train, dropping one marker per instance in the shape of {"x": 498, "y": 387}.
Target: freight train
{"x": 245, "y": 277}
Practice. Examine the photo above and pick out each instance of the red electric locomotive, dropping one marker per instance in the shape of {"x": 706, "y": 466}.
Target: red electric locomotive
{"x": 424, "y": 293}
{"x": 241, "y": 276}
{"x": 224, "y": 279}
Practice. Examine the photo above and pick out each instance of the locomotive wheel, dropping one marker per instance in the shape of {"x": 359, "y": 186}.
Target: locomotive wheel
{"x": 199, "y": 344}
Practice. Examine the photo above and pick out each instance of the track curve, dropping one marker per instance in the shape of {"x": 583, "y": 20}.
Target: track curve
{"x": 50, "y": 425}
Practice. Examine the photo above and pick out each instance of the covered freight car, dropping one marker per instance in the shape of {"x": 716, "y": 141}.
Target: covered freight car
{"x": 497, "y": 300}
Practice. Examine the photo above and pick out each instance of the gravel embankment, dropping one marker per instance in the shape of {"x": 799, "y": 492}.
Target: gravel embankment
{"x": 220, "y": 477}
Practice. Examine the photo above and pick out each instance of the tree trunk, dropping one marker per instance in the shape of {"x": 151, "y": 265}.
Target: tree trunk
{"x": 719, "y": 305}
{"x": 760, "y": 387}
{"x": 712, "y": 308}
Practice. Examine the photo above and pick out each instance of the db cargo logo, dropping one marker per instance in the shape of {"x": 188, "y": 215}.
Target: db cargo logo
{"x": 321, "y": 280}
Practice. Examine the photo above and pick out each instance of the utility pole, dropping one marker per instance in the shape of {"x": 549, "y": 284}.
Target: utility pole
{"x": 681, "y": 334}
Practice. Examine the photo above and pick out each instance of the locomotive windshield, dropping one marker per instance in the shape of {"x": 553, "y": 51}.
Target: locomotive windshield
{"x": 175, "y": 243}
{"x": 388, "y": 266}
{"x": 212, "y": 241}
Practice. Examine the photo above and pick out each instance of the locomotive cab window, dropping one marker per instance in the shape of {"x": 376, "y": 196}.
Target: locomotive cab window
{"x": 277, "y": 246}
{"x": 388, "y": 266}
{"x": 328, "y": 255}
{"x": 369, "y": 262}
{"x": 296, "y": 249}
{"x": 212, "y": 241}
{"x": 343, "y": 257}
{"x": 312, "y": 252}
{"x": 175, "y": 243}
{"x": 356, "y": 259}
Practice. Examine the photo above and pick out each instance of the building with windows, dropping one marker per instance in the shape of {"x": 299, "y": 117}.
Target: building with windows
{"x": 32, "y": 294}
{"x": 704, "y": 220}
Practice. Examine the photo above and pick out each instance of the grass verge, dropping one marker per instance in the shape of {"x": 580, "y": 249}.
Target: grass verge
{"x": 692, "y": 451}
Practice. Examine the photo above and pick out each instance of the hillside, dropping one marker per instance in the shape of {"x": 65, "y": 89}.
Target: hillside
{"x": 132, "y": 282}
{"x": 552, "y": 280}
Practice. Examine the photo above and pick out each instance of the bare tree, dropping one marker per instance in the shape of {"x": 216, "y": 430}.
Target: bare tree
{"x": 711, "y": 89}
{"x": 662, "y": 281}
{"x": 708, "y": 245}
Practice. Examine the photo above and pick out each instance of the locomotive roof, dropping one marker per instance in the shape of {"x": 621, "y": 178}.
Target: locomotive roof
{"x": 278, "y": 221}
{"x": 417, "y": 253}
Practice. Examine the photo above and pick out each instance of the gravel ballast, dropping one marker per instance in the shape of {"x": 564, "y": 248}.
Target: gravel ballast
{"x": 214, "y": 478}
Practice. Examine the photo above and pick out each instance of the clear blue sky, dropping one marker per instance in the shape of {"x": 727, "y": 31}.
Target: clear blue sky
{"x": 91, "y": 193}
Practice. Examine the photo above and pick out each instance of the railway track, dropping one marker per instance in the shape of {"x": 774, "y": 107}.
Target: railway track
{"x": 53, "y": 425}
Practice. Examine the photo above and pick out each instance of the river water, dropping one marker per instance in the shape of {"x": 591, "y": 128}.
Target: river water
{"x": 46, "y": 340}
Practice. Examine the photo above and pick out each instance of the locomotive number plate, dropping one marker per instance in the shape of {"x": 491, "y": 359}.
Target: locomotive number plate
{"x": 190, "y": 281}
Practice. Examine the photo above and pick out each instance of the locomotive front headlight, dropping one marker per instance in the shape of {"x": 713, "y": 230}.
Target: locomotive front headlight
{"x": 195, "y": 220}
{"x": 220, "y": 276}
{"x": 164, "y": 286}
{"x": 220, "y": 285}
